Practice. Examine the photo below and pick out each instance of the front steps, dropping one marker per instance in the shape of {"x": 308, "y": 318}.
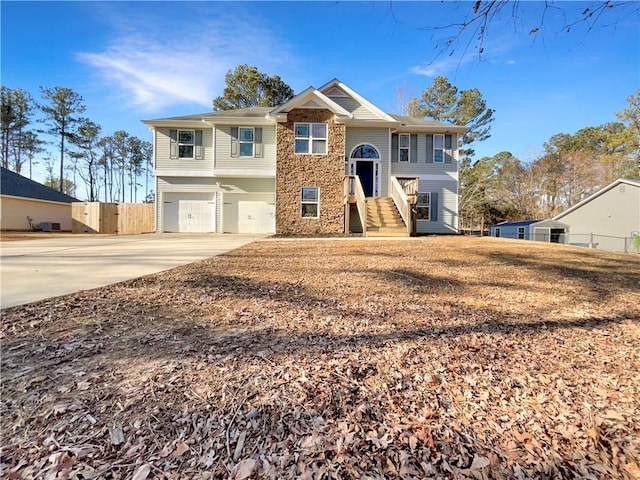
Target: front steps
{"x": 383, "y": 218}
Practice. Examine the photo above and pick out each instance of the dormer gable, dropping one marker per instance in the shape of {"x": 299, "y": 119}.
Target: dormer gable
{"x": 358, "y": 106}
{"x": 310, "y": 98}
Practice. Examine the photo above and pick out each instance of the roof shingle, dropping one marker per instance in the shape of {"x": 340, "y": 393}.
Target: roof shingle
{"x": 16, "y": 185}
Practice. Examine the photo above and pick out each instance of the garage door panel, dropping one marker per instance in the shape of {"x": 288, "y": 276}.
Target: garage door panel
{"x": 249, "y": 213}
{"x": 189, "y": 212}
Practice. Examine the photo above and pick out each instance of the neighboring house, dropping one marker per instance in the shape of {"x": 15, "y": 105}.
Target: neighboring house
{"x": 22, "y": 199}
{"x": 326, "y": 162}
{"x": 539, "y": 230}
{"x": 608, "y": 219}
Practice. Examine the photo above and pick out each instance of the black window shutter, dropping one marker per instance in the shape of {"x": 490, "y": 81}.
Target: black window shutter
{"x": 413, "y": 155}
{"x": 429, "y": 148}
{"x": 448, "y": 151}
{"x": 173, "y": 143}
{"x": 198, "y": 145}
{"x": 234, "y": 141}
{"x": 394, "y": 147}
{"x": 434, "y": 206}
{"x": 259, "y": 152}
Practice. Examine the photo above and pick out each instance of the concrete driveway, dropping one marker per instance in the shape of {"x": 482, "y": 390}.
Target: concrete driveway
{"x": 32, "y": 270}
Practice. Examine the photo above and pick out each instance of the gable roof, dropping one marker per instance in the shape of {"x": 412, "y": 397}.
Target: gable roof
{"x": 341, "y": 89}
{"x": 311, "y": 98}
{"x": 349, "y": 107}
{"x": 408, "y": 123}
{"x": 628, "y": 181}
{"x": 16, "y": 185}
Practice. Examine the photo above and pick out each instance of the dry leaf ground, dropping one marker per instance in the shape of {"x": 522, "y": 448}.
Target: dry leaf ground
{"x": 429, "y": 358}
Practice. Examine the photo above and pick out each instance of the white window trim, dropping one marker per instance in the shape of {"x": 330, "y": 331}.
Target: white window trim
{"x": 307, "y": 202}
{"x": 521, "y": 231}
{"x": 427, "y": 205}
{"x": 311, "y": 138}
{"x": 440, "y": 135}
{"x": 192, "y": 145}
{"x": 253, "y": 142}
{"x": 407, "y": 148}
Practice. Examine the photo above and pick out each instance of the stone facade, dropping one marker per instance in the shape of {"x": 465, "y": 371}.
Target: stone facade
{"x": 294, "y": 171}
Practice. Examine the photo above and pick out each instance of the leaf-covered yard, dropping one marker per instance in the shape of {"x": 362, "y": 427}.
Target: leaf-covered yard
{"x": 422, "y": 358}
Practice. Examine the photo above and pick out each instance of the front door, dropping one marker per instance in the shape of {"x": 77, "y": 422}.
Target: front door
{"x": 364, "y": 170}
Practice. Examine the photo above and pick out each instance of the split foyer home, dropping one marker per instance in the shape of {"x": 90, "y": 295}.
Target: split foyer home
{"x": 326, "y": 162}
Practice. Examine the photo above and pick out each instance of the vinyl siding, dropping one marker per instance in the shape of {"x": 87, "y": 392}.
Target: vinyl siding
{"x": 615, "y": 212}
{"x": 379, "y": 138}
{"x": 352, "y": 106}
{"x": 422, "y": 167}
{"x": 225, "y": 184}
{"x": 163, "y": 156}
{"x": 510, "y": 231}
{"x": 447, "y": 191}
{"x": 223, "y": 159}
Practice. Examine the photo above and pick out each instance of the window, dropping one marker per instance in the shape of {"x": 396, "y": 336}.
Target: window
{"x": 404, "y": 144}
{"x": 423, "y": 206}
{"x": 498, "y": 232}
{"x": 521, "y": 233}
{"x": 438, "y": 148}
{"x": 245, "y": 139}
{"x": 186, "y": 142}
{"x": 310, "y": 202}
{"x": 365, "y": 151}
{"x": 310, "y": 138}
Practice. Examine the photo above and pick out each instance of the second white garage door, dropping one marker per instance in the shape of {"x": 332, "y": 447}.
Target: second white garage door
{"x": 189, "y": 212}
{"x": 249, "y": 213}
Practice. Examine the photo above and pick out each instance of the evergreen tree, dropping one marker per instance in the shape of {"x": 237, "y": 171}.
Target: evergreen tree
{"x": 442, "y": 101}
{"x": 248, "y": 87}
{"x": 17, "y": 109}
{"x": 62, "y": 108}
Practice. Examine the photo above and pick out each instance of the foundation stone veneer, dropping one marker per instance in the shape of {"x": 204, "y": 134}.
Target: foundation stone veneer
{"x": 294, "y": 171}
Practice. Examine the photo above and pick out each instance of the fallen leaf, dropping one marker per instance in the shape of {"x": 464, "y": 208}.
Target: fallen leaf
{"x": 181, "y": 447}
{"x": 142, "y": 472}
{"x": 479, "y": 462}
{"x": 117, "y": 437}
{"x": 244, "y": 469}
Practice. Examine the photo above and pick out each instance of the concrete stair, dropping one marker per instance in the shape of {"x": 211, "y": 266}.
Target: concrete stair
{"x": 383, "y": 218}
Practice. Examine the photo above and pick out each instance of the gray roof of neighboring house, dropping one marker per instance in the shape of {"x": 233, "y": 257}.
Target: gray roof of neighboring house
{"x": 16, "y": 185}
{"x": 518, "y": 223}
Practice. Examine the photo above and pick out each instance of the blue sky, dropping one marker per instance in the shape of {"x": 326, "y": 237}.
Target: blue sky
{"x": 139, "y": 60}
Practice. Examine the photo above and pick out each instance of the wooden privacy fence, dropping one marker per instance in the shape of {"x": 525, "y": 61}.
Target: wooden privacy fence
{"x": 112, "y": 218}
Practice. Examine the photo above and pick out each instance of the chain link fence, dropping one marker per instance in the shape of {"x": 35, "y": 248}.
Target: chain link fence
{"x": 588, "y": 240}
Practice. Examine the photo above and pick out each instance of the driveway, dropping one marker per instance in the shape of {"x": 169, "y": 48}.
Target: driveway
{"x": 32, "y": 270}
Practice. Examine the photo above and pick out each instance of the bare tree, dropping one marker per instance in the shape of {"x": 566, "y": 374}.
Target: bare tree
{"x": 479, "y": 18}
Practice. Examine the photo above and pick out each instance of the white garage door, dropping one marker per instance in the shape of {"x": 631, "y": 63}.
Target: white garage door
{"x": 249, "y": 213}
{"x": 189, "y": 212}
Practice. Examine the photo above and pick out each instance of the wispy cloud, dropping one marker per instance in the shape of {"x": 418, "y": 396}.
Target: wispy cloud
{"x": 159, "y": 68}
{"x": 441, "y": 67}
{"x": 494, "y": 51}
